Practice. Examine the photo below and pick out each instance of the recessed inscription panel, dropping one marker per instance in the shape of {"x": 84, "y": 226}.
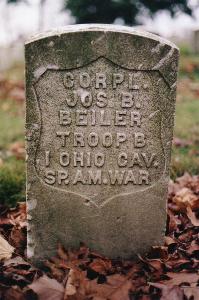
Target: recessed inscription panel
{"x": 100, "y": 129}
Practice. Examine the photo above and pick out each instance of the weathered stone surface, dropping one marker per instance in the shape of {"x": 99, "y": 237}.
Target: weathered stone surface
{"x": 100, "y": 110}
{"x": 196, "y": 41}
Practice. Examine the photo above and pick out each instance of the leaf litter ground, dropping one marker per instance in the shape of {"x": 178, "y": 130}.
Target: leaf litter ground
{"x": 169, "y": 272}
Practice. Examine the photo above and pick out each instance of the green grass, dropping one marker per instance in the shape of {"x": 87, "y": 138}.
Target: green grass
{"x": 189, "y": 63}
{"x": 186, "y": 158}
{"x": 187, "y": 119}
{"x": 11, "y": 124}
{"x": 12, "y": 181}
{"x": 16, "y": 72}
{"x": 12, "y": 170}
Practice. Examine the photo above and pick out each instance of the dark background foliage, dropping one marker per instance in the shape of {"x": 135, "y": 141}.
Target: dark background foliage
{"x": 106, "y": 11}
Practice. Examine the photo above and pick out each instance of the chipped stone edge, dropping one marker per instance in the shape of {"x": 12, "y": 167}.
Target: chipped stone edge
{"x": 98, "y": 27}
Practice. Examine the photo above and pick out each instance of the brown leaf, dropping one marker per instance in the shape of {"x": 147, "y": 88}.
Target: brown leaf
{"x": 186, "y": 236}
{"x": 182, "y": 277}
{"x": 157, "y": 252}
{"x": 76, "y": 286}
{"x": 185, "y": 197}
{"x": 193, "y": 247}
{"x": 192, "y": 217}
{"x": 173, "y": 188}
{"x": 70, "y": 288}
{"x": 173, "y": 221}
{"x": 169, "y": 292}
{"x": 6, "y": 250}
{"x": 116, "y": 287}
{"x": 184, "y": 180}
{"x": 101, "y": 265}
{"x": 62, "y": 253}
{"x": 18, "y": 215}
{"x": 14, "y": 293}
{"x": 121, "y": 286}
{"x": 47, "y": 288}
{"x": 18, "y": 239}
{"x": 16, "y": 261}
{"x": 18, "y": 150}
{"x": 169, "y": 241}
{"x": 191, "y": 292}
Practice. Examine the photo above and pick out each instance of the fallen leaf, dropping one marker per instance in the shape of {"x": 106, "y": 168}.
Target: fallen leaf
{"x": 101, "y": 266}
{"x": 184, "y": 180}
{"x": 192, "y": 217}
{"x": 14, "y": 293}
{"x": 191, "y": 292}
{"x": 185, "y": 197}
{"x": 193, "y": 247}
{"x": 169, "y": 292}
{"x": 168, "y": 240}
{"x": 182, "y": 277}
{"x": 6, "y": 250}
{"x": 47, "y": 288}
{"x": 70, "y": 288}
{"x": 18, "y": 239}
{"x": 16, "y": 261}
{"x": 117, "y": 287}
{"x": 121, "y": 286}
{"x": 174, "y": 222}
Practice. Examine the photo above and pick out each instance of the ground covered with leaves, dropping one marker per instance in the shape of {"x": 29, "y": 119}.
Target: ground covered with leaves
{"x": 169, "y": 272}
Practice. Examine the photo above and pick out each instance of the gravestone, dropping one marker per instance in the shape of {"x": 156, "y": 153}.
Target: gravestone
{"x": 99, "y": 123}
{"x": 196, "y": 41}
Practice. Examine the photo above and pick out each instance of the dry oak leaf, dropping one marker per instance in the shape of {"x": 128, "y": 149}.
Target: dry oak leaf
{"x": 191, "y": 292}
{"x": 174, "y": 222}
{"x": 76, "y": 286}
{"x": 169, "y": 292}
{"x": 185, "y": 197}
{"x": 79, "y": 287}
{"x": 47, "y": 288}
{"x": 173, "y": 188}
{"x": 117, "y": 287}
{"x": 182, "y": 277}
{"x": 193, "y": 247}
{"x": 70, "y": 288}
{"x": 192, "y": 217}
{"x": 14, "y": 293}
{"x": 6, "y": 250}
{"x": 101, "y": 266}
{"x": 184, "y": 180}
{"x": 169, "y": 240}
{"x": 17, "y": 237}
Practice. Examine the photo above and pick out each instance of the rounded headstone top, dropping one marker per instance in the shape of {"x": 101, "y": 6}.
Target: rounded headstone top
{"x": 98, "y": 27}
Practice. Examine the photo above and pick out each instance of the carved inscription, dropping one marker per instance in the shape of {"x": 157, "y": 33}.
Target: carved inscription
{"x": 96, "y": 129}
